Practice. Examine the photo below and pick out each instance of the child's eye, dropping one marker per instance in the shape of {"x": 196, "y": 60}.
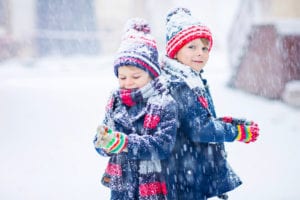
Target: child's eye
{"x": 205, "y": 49}
{"x": 136, "y": 77}
{"x": 122, "y": 78}
{"x": 192, "y": 47}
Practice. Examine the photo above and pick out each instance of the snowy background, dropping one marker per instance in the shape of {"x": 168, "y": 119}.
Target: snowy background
{"x": 51, "y": 106}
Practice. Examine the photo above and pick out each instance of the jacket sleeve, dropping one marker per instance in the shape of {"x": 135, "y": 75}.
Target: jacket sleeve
{"x": 159, "y": 144}
{"x": 195, "y": 121}
{"x": 214, "y": 130}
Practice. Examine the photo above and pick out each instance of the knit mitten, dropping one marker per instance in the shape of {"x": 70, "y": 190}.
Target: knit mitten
{"x": 109, "y": 140}
{"x": 248, "y": 131}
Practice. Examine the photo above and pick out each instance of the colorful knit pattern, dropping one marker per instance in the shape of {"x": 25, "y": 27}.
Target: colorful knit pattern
{"x": 117, "y": 143}
{"x": 246, "y": 133}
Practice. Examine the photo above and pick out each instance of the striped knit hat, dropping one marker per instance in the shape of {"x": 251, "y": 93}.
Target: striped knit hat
{"x": 138, "y": 48}
{"x": 182, "y": 28}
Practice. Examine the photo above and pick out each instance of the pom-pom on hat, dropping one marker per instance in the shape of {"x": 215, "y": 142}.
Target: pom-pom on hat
{"x": 138, "y": 48}
{"x": 182, "y": 28}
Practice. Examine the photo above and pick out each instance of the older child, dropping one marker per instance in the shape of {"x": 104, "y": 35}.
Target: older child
{"x": 140, "y": 126}
{"x": 198, "y": 168}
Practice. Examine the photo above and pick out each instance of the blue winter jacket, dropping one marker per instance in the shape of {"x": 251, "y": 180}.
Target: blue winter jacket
{"x": 198, "y": 168}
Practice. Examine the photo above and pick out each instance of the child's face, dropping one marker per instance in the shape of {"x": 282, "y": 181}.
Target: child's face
{"x": 194, "y": 54}
{"x": 131, "y": 77}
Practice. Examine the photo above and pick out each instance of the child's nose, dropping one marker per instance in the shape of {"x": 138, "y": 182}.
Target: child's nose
{"x": 199, "y": 51}
{"x": 129, "y": 82}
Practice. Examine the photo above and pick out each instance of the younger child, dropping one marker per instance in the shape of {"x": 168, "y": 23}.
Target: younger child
{"x": 139, "y": 128}
{"x": 198, "y": 168}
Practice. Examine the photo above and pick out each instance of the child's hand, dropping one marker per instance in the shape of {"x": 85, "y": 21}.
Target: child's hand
{"x": 109, "y": 140}
{"x": 101, "y": 136}
{"x": 248, "y": 131}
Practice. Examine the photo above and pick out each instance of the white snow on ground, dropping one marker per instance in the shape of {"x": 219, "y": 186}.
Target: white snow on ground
{"x": 50, "y": 108}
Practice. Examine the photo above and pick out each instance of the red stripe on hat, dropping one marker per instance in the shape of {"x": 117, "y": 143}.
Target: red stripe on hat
{"x": 113, "y": 170}
{"x": 144, "y": 64}
{"x": 192, "y": 30}
{"x": 185, "y": 36}
{"x": 153, "y": 189}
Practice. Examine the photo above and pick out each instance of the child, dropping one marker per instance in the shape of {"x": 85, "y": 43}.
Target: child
{"x": 198, "y": 168}
{"x": 140, "y": 126}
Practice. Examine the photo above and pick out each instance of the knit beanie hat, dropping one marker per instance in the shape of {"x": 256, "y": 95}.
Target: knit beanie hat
{"x": 138, "y": 48}
{"x": 182, "y": 28}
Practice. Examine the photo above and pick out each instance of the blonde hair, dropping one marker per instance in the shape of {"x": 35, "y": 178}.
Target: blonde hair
{"x": 205, "y": 41}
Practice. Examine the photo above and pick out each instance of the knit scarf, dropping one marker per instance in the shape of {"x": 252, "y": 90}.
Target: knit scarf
{"x": 186, "y": 74}
{"x": 122, "y": 99}
{"x": 150, "y": 185}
